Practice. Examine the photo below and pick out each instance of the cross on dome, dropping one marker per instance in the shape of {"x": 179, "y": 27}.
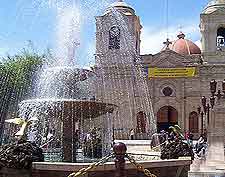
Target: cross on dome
{"x": 167, "y": 43}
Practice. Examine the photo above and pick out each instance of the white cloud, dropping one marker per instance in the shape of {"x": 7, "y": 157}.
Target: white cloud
{"x": 199, "y": 44}
{"x": 4, "y": 51}
{"x": 152, "y": 39}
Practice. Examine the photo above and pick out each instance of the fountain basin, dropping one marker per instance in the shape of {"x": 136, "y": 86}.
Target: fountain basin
{"x": 161, "y": 168}
{"x": 72, "y": 107}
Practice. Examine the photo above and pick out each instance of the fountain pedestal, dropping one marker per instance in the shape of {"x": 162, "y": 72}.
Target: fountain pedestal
{"x": 74, "y": 111}
{"x": 214, "y": 165}
{"x": 68, "y": 142}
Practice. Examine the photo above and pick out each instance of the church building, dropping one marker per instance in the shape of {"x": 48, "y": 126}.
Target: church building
{"x": 153, "y": 92}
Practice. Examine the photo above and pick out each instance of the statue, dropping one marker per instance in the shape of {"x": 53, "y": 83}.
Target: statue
{"x": 22, "y": 153}
{"x": 22, "y": 133}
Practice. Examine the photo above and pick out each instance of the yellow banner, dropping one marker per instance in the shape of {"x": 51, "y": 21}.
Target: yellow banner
{"x": 171, "y": 72}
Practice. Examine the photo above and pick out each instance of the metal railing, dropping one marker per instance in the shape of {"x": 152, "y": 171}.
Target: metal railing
{"x": 119, "y": 153}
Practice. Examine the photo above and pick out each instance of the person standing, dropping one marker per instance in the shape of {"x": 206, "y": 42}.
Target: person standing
{"x": 132, "y": 133}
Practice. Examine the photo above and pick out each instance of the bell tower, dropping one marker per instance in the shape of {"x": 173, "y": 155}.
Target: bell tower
{"x": 117, "y": 51}
{"x": 117, "y": 33}
{"x": 212, "y": 27}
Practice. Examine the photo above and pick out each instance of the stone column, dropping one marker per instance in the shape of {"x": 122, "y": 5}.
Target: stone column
{"x": 216, "y": 135}
{"x": 67, "y": 139}
{"x": 69, "y": 118}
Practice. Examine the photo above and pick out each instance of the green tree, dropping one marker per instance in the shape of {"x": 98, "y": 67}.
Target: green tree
{"x": 16, "y": 74}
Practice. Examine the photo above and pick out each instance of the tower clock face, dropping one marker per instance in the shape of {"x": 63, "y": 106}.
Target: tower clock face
{"x": 114, "y": 32}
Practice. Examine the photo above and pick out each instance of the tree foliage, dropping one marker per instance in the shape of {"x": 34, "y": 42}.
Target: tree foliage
{"x": 21, "y": 67}
{"x": 16, "y": 74}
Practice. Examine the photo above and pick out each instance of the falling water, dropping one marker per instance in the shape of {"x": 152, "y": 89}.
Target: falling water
{"x": 126, "y": 83}
{"x": 63, "y": 92}
{"x": 68, "y": 36}
{"x": 63, "y": 100}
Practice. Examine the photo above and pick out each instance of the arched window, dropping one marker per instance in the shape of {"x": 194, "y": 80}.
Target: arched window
{"x": 141, "y": 122}
{"x": 221, "y": 37}
{"x": 193, "y": 122}
{"x": 114, "y": 37}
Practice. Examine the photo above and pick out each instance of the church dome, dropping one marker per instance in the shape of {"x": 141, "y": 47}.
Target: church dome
{"x": 213, "y": 5}
{"x": 216, "y": 3}
{"x": 184, "y": 46}
{"x": 121, "y": 6}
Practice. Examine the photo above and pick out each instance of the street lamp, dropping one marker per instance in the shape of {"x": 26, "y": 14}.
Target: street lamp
{"x": 209, "y": 105}
{"x": 201, "y": 113}
{"x": 213, "y": 85}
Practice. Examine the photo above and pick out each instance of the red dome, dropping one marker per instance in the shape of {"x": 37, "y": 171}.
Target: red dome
{"x": 184, "y": 46}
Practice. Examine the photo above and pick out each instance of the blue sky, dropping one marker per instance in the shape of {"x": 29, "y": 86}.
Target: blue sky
{"x": 36, "y": 20}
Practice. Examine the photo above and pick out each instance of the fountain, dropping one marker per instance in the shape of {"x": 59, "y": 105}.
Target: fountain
{"x": 65, "y": 99}
{"x": 63, "y": 103}
{"x": 61, "y": 116}
{"x": 69, "y": 99}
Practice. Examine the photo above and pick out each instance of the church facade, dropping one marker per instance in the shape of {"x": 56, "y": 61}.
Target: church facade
{"x": 153, "y": 92}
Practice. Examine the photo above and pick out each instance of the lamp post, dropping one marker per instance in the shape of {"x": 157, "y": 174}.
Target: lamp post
{"x": 205, "y": 111}
{"x": 208, "y": 105}
{"x": 201, "y": 114}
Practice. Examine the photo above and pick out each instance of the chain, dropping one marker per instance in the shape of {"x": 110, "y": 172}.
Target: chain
{"x": 140, "y": 167}
{"x": 84, "y": 171}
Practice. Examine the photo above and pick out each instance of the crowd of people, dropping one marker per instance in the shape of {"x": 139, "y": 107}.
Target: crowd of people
{"x": 174, "y": 133}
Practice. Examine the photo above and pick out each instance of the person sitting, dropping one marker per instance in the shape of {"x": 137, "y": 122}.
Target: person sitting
{"x": 187, "y": 135}
{"x": 171, "y": 136}
{"x": 189, "y": 138}
{"x": 159, "y": 139}
{"x": 200, "y": 145}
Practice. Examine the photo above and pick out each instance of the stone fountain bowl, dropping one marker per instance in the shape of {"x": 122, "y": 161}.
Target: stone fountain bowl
{"x": 63, "y": 108}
